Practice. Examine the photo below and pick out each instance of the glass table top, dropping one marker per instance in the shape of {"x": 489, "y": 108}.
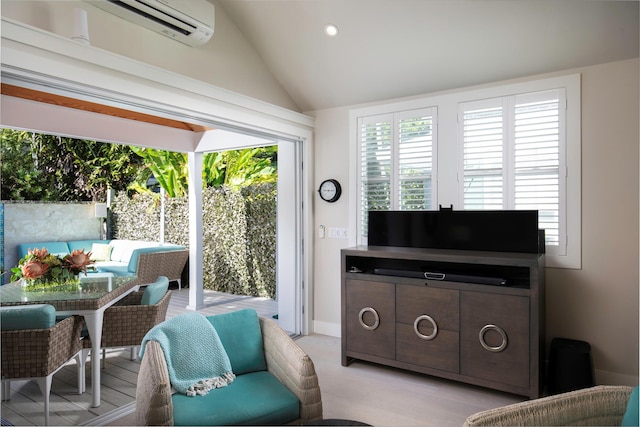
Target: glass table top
{"x": 90, "y": 293}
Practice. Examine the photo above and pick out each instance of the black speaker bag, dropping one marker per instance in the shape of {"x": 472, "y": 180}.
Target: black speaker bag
{"x": 570, "y": 366}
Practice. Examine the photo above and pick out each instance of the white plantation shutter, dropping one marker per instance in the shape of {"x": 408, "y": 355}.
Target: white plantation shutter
{"x": 376, "y": 134}
{"x": 513, "y": 158}
{"x": 483, "y": 155}
{"x": 537, "y": 148}
{"x": 396, "y": 158}
{"x": 415, "y": 160}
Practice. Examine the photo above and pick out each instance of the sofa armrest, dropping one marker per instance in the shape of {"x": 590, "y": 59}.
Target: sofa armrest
{"x": 153, "y": 391}
{"x": 594, "y": 406}
{"x": 169, "y": 263}
{"x": 293, "y": 368}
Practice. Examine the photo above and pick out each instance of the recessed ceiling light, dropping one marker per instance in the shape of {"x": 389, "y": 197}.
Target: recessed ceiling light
{"x": 331, "y": 30}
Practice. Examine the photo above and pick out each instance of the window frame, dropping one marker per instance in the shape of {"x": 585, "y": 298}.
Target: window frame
{"x": 447, "y": 172}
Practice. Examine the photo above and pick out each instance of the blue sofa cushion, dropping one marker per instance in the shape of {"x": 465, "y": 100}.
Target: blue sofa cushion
{"x": 155, "y": 291}
{"x": 241, "y": 337}
{"x": 631, "y": 415}
{"x": 55, "y": 248}
{"x": 118, "y": 270}
{"x": 257, "y": 398}
{"x": 32, "y": 316}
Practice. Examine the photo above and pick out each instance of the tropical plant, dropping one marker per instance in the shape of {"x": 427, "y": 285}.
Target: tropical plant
{"x": 240, "y": 168}
{"x": 168, "y": 167}
{"x": 52, "y": 168}
{"x": 234, "y": 169}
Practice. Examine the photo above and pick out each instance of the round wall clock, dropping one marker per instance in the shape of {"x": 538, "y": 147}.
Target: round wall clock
{"x": 330, "y": 190}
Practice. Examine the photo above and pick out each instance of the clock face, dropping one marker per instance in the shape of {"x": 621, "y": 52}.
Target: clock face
{"x": 330, "y": 190}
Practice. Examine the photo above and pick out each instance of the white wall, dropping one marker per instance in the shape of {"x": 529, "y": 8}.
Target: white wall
{"x": 597, "y": 304}
{"x": 227, "y": 60}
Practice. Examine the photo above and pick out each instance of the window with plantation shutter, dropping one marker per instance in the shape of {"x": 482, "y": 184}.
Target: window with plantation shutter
{"x": 395, "y": 162}
{"x": 512, "y": 158}
{"x": 510, "y": 146}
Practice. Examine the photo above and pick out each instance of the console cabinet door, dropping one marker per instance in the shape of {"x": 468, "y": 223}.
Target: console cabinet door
{"x": 370, "y": 318}
{"x": 427, "y": 327}
{"x": 501, "y": 322}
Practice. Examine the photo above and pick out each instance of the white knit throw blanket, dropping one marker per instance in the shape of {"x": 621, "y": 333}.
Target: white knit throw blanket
{"x": 196, "y": 360}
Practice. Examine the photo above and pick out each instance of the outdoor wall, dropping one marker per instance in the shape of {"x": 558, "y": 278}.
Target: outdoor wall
{"x": 27, "y": 222}
{"x": 598, "y": 303}
{"x": 227, "y": 60}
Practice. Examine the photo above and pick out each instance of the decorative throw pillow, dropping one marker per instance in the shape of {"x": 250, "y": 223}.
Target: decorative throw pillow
{"x": 101, "y": 252}
{"x": 241, "y": 337}
{"x": 631, "y": 416}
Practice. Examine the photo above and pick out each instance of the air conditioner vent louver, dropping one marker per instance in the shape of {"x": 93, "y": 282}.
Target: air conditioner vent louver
{"x": 188, "y": 21}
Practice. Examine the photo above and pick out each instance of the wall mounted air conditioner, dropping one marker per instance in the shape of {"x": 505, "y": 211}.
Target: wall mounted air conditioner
{"x": 188, "y": 21}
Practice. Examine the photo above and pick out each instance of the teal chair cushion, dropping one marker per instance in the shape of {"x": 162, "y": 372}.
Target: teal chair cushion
{"x": 154, "y": 292}
{"x": 34, "y": 316}
{"x": 241, "y": 337}
{"x": 257, "y": 398}
{"x": 632, "y": 416}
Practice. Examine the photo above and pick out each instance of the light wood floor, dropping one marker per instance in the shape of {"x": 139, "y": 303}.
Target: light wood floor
{"x": 374, "y": 394}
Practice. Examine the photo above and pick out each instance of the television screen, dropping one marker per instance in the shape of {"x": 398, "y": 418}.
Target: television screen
{"x": 500, "y": 231}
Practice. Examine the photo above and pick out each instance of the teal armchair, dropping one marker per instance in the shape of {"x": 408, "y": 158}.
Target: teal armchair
{"x": 275, "y": 382}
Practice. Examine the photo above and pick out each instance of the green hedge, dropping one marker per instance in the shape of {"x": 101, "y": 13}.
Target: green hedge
{"x": 239, "y": 234}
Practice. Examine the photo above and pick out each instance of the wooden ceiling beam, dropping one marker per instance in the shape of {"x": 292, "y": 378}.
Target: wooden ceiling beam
{"x": 64, "y": 101}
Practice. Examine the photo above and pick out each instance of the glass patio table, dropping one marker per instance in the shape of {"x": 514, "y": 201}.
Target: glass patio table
{"x": 90, "y": 298}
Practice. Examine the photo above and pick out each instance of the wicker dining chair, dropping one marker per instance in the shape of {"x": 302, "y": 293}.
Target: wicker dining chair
{"x": 127, "y": 322}
{"x": 34, "y": 346}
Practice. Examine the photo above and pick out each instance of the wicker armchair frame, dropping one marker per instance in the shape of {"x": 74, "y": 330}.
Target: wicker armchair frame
{"x": 285, "y": 360}
{"x": 593, "y": 406}
{"x": 39, "y": 354}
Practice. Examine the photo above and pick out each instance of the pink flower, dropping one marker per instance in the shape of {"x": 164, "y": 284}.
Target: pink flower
{"x": 78, "y": 261}
{"x": 34, "y": 269}
{"x": 41, "y": 254}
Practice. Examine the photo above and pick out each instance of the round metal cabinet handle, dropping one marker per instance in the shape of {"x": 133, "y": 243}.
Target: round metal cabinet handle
{"x": 375, "y": 315}
{"x": 499, "y": 330}
{"x": 421, "y": 335}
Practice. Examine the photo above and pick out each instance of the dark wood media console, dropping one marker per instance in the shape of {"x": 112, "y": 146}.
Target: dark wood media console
{"x": 482, "y": 334}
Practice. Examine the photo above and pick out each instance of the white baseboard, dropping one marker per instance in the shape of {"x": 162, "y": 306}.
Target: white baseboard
{"x": 326, "y": 328}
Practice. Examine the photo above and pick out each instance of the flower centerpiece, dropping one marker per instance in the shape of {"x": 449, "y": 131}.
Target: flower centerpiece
{"x": 39, "y": 268}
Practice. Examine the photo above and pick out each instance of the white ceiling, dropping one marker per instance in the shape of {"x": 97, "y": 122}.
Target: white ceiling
{"x": 393, "y": 48}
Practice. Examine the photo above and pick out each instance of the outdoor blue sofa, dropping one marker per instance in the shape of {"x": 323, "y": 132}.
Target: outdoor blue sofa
{"x": 120, "y": 257}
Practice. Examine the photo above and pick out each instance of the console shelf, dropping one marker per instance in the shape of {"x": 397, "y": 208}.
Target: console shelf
{"x": 462, "y": 329}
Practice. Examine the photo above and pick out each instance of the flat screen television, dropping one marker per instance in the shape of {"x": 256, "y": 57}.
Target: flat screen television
{"x": 499, "y": 231}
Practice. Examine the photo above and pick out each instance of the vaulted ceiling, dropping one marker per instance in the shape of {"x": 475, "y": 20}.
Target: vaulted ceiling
{"x": 393, "y": 48}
